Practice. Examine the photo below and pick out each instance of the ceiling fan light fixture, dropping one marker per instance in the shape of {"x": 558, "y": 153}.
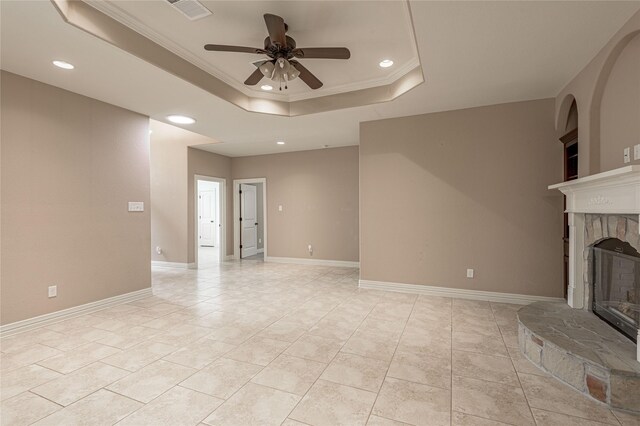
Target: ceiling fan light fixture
{"x": 266, "y": 87}
{"x": 267, "y": 69}
{"x": 180, "y": 119}
{"x": 293, "y": 73}
{"x": 386, "y": 63}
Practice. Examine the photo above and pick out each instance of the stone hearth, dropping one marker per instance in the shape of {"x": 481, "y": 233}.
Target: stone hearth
{"x": 568, "y": 340}
{"x": 581, "y": 350}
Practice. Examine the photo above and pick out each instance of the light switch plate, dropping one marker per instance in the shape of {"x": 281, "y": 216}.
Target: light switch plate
{"x": 280, "y": 208}
{"x": 636, "y": 152}
{"x": 627, "y": 155}
{"x": 136, "y": 206}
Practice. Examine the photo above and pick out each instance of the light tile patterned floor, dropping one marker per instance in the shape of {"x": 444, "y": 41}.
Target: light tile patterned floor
{"x": 253, "y": 343}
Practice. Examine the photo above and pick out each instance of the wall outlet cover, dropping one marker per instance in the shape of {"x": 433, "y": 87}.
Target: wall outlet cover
{"x": 52, "y": 291}
{"x": 636, "y": 152}
{"x": 470, "y": 273}
{"x": 627, "y": 155}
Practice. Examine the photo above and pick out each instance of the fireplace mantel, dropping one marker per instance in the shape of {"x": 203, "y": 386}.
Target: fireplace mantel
{"x": 613, "y": 192}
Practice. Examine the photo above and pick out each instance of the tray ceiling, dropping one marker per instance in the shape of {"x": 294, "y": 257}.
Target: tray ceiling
{"x": 386, "y": 33}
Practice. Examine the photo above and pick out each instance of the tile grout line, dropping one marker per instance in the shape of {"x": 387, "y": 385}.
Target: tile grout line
{"x": 513, "y": 366}
{"x": 415, "y": 300}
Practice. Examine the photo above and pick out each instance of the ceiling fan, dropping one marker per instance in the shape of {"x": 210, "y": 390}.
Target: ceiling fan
{"x": 281, "y": 49}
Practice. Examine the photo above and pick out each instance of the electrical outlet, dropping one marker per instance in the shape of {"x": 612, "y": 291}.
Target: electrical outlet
{"x": 310, "y": 249}
{"x": 159, "y": 250}
{"x": 636, "y": 152}
{"x": 469, "y": 273}
{"x": 280, "y": 208}
{"x": 259, "y": 240}
{"x": 627, "y": 155}
{"x": 53, "y": 291}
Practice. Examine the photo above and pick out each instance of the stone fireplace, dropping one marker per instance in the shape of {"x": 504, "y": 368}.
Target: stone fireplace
{"x": 601, "y": 206}
{"x": 568, "y": 340}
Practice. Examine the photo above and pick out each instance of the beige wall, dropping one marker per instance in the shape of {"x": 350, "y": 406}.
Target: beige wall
{"x": 69, "y": 165}
{"x": 168, "y": 199}
{"x": 604, "y": 91}
{"x": 213, "y": 165}
{"x": 443, "y": 192}
{"x": 620, "y": 109}
{"x": 319, "y": 194}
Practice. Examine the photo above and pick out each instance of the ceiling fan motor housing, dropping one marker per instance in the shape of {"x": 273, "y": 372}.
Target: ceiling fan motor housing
{"x": 274, "y": 49}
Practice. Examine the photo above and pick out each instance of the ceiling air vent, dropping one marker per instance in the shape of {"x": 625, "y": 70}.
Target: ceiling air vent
{"x": 192, "y": 9}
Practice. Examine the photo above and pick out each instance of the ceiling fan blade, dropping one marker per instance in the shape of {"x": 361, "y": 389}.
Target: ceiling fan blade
{"x": 225, "y": 48}
{"x": 306, "y": 76}
{"x": 322, "y": 52}
{"x": 275, "y": 26}
{"x": 254, "y": 78}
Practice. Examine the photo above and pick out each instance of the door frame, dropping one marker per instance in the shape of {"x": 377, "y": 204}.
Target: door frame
{"x": 236, "y": 213}
{"x": 222, "y": 215}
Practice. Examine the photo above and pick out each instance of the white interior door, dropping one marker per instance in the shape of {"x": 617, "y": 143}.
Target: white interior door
{"x": 207, "y": 217}
{"x": 249, "y": 220}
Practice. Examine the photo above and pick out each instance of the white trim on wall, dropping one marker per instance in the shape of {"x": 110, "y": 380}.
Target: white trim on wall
{"x": 236, "y": 213}
{"x": 163, "y": 264}
{"x": 54, "y": 317}
{"x": 458, "y": 293}
{"x": 222, "y": 195}
{"x": 318, "y": 262}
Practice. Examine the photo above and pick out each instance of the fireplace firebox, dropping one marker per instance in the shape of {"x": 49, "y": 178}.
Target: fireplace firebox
{"x": 616, "y": 285}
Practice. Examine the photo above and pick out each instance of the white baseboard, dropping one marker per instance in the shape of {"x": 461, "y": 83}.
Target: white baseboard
{"x": 163, "y": 264}
{"x": 489, "y": 296}
{"x": 317, "y": 262}
{"x": 229, "y": 257}
{"x": 54, "y": 317}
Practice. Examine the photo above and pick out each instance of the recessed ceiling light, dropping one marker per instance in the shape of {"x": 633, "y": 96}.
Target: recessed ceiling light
{"x": 63, "y": 64}
{"x": 180, "y": 119}
{"x": 280, "y": 142}
{"x": 386, "y": 63}
{"x": 266, "y": 87}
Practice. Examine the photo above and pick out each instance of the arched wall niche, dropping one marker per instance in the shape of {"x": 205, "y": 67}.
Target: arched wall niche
{"x": 620, "y": 107}
{"x": 587, "y": 88}
{"x": 572, "y": 119}
{"x": 607, "y": 153}
{"x": 569, "y": 103}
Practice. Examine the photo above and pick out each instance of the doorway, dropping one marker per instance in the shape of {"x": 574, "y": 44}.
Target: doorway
{"x": 209, "y": 221}
{"x": 250, "y": 218}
